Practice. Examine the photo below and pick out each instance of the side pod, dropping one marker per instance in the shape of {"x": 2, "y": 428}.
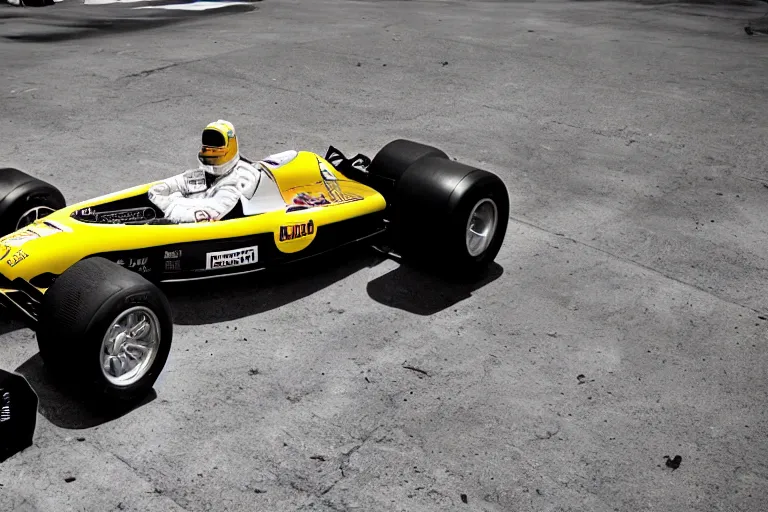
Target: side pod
{"x": 18, "y": 414}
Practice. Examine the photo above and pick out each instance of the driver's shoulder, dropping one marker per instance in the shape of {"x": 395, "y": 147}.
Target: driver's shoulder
{"x": 246, "y": 168}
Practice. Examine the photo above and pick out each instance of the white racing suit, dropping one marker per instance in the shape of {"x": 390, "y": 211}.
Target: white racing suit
{"x": 188, "y": 197}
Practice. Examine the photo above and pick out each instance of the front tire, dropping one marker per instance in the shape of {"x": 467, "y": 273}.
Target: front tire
{"x": 105, "y": 330}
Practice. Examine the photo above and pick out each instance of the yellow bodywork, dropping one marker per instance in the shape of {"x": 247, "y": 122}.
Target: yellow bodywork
{"x": 58, "y": 241}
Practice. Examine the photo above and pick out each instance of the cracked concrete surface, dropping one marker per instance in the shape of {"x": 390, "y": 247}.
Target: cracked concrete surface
{"x": 626, "y": 319}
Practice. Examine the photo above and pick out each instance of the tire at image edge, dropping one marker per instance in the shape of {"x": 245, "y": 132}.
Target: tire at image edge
{"x": 20, "y": 192}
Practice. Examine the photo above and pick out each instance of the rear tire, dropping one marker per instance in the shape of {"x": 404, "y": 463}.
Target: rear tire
{"x": 445, "y": 215}
{"x": 24, "y": 199}
{"x": 391, "y": 162}
{"x": 84, "y": 333}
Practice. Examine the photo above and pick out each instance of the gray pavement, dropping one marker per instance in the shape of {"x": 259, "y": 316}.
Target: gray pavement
{"x": 622, "y": 323}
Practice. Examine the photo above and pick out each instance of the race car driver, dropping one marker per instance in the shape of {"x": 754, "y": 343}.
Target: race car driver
{"x": 213, "y": 189}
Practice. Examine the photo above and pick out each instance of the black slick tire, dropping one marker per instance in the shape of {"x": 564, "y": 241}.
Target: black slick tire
{"x": 433, "y": 206}
{"x": 391, "y": 162}
{"x": 80, "y": 308}
{"x": 21, "y": 195}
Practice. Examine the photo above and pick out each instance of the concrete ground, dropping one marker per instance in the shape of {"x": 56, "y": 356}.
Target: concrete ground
{"x": 625, "y": 320}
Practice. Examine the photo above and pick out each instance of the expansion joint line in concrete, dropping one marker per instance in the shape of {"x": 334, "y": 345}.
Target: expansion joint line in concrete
{"x": 144, "y": 477}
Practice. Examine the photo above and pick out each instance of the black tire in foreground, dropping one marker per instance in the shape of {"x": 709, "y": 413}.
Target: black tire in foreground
{"x": 105, "y": 330}
{"x": 18, "y": 414}
{"x": 446, "y": 215}
{"x": 24, "y": 199}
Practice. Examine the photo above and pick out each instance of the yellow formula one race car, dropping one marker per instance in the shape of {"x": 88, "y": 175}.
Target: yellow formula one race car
{"x": 84, "y": 277}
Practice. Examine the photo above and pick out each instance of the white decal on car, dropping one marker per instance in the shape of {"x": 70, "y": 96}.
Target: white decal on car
{"x": 233, "y": 258}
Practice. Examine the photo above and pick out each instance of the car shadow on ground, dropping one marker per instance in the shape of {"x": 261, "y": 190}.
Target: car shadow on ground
{"x": 408, "y": 288}
{"x": 230, "y": 298}
{"x": 419, "y": 292}
{"x": 65, "y": 409}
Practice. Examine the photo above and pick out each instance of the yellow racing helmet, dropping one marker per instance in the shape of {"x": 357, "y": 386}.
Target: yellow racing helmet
{"x": 219, "y": 152}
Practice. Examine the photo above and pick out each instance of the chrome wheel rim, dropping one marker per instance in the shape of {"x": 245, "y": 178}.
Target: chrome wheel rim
{"x": 33, "y": 214}
{"x": 130, "y": 345}
{"x": 481, "y": 226}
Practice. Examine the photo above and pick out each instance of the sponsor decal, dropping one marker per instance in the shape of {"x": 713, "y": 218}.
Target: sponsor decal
{"x": 296, "y": 231}
{"x": 137, "y": 262}
{"x": 233, "y": 258}
{"x": 172, "y": 262}
{"x": 173, "y": 265}
{"x": 302, "y": 198}
{"x": 17, "y": 258}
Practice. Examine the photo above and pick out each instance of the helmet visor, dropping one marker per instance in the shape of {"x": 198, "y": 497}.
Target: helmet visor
{"x": 214, "y": 147}
{"x": 214, "y": 138}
